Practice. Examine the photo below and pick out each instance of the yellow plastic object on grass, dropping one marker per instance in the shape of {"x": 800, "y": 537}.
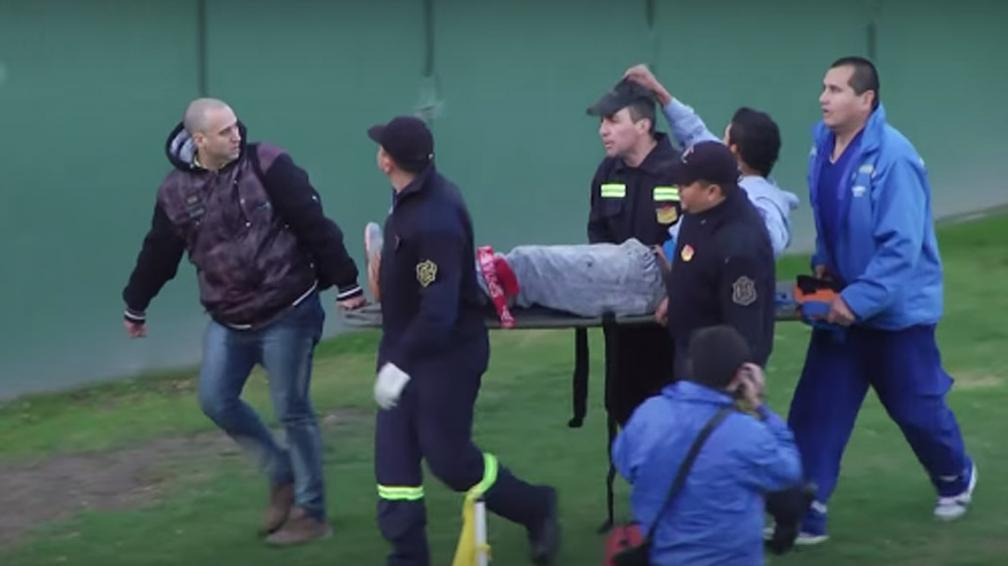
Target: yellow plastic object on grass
{"x": 472, "y": 549}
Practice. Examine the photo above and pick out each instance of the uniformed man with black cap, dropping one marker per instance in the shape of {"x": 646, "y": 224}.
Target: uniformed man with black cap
{"x": 723, "y": 274}
{"x": 433, "y": 352}
{"x": 633, "y": 196}
{"x": 723, "y": 269}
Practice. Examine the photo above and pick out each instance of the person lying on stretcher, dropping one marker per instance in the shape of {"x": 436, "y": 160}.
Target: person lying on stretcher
{"x": 586, "y": 280}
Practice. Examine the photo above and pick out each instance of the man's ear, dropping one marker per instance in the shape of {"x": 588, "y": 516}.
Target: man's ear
{"x": 870, "y": 96}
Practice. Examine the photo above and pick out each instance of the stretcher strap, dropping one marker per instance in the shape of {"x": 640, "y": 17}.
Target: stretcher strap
{"x": 612, "y": 354}
{"x": 579, "y": 380}
{"x": 485, "y": 258}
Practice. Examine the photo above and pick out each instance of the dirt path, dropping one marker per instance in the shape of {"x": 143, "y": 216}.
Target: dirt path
{"x": 63, "y": 485}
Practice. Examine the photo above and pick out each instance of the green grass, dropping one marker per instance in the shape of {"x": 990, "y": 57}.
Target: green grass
{"x": 881, "y": 512}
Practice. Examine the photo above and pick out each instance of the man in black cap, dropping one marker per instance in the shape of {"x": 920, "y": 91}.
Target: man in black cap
{"x": 433, "y": 352}
{"x": 723, "y": 274}
{"x": 633, "y": 196}
{"x": 723, "y": 268}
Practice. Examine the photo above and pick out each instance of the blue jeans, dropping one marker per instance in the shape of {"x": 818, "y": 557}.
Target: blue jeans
{"x": 284, "y": 348}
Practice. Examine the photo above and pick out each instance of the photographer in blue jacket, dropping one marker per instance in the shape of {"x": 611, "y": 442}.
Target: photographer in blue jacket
{"x": 717, "y": 517}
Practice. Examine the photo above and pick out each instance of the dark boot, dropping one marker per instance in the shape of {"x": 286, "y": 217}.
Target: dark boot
{"x": 544, "y": 536}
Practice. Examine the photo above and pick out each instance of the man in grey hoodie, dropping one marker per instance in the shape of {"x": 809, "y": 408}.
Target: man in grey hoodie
{"x": 754, "y": 139}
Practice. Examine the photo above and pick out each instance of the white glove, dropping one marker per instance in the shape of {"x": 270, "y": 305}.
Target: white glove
{"x": 389, "y": 385}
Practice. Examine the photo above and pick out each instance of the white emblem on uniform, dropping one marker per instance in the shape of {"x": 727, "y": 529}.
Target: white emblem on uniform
{"x": 858, "y": 191}
{"x": 743, "y": 291}
{"x": 426, "y": 272}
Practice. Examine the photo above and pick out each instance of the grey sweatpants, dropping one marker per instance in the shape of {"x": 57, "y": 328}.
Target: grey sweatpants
{"x": 588, "y": 279}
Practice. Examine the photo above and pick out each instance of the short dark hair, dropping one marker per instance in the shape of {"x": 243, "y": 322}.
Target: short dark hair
{"x": 715, "y": 354}
{"x": 864, "y": 78}
{"x": 757, "y": 137}
{"x": 412, "y": 167}
{"x": 641, "y": 109}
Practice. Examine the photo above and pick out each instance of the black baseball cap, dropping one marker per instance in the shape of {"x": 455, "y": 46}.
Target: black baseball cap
{"x": 406, "y": 139}
{"x": 625, "y": 93}
{"x": 711, "y": 161}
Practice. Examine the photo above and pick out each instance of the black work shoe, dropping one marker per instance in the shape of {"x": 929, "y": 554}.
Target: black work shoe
{"x": 544, "y": 538}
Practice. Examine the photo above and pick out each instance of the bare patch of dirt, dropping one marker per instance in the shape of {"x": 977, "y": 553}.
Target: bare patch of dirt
{"x": 971, "y": 380}
{"x": 61, "y": 486}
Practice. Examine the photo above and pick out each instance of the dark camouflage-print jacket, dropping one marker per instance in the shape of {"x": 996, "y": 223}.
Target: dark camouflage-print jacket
{"x": 255, "y": 231}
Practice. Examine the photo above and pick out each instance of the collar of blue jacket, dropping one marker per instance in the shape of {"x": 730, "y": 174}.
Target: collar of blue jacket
{"x": 692, "y": 391}
{"x": 871, "y": 139}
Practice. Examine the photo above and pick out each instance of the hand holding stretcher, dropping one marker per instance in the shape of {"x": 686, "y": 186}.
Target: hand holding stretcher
{"x": 813, "y": 297}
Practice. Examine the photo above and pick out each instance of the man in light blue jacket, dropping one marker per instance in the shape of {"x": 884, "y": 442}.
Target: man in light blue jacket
{"x": 754, "y": 139}
{"x": 875, "y": 240}
{"x": 717, "y": 517}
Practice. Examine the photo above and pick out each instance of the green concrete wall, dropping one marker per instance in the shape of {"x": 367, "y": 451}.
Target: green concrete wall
{"x": 89, "y": 89}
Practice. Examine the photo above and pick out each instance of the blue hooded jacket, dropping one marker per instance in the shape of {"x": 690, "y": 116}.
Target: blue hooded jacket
{"x": 886, "y": 252}
{"x": 717, "y": 518}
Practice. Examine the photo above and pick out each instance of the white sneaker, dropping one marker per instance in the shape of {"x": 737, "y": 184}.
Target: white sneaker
{"x": 951, "y": 508}
{"x": 810, "y": 539}
{"x": 804, "y": 538}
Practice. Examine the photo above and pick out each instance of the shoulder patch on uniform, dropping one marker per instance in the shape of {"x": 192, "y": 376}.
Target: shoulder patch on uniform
{"x": 426, "y": 272}
{"x": 743, "y": 291}
{"x": 667, "y": 215}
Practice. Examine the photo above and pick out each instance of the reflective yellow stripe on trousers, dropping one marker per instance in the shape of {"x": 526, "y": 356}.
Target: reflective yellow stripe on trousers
{"x": 400, "y": 493}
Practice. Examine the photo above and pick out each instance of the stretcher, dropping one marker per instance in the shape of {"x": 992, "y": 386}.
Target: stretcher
{"x": 541, "y": 317}
{"x": 544, "y": 318}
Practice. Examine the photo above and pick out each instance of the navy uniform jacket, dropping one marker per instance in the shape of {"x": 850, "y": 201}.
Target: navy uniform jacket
{"x": 431, "y": 310}
{"x": 635, "y": 202}
{"x": 723, "y": 273}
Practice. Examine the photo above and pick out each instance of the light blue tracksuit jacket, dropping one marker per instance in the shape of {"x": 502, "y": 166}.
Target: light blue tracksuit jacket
{"x": 885, "y": 251}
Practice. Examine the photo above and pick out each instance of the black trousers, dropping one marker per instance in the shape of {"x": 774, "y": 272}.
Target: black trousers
{"x": 643, "y": 361}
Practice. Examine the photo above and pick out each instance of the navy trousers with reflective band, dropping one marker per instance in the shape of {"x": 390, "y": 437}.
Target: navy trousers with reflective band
{"x": 904, "y": 368}
{"x": 433, "y": 421}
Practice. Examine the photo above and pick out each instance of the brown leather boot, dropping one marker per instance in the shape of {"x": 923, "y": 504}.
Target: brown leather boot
{"x": 300, "y": 527}
{"x": 281, "y": 499}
